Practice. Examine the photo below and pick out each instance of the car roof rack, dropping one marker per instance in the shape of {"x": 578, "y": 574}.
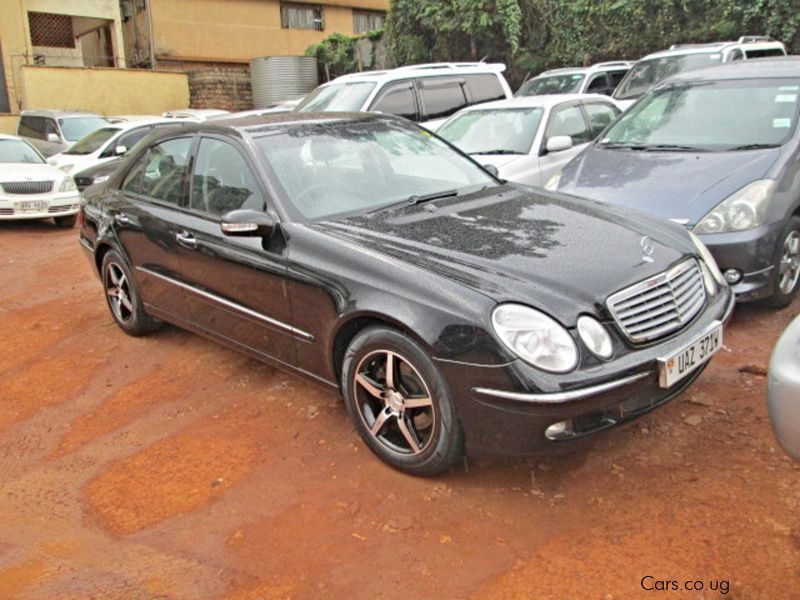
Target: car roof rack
{"x": 613, "y": 63}
{"x": 698, "y": 45}
{"x": 749, "y": 39}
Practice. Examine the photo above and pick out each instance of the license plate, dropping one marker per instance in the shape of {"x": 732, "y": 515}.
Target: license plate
{"x": 682, "y": 363}
{"x": 30, "y": 205}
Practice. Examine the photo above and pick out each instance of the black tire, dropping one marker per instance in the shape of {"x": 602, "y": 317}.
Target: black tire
{"x": 783, "y": 297}
{"x": 123, "y": 297}
{"x": 430, "y": 424}
{"x": 66, "y": 222}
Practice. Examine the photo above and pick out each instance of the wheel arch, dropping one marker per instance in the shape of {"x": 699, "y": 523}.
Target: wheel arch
{"x": 354, "y": 324}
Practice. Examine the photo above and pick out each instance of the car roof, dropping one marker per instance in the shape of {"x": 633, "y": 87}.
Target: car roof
{"x": 126, "y": 125}
{"x": 422, "y": 70}
{"x": 5, "y": 136}
{"x": 58, "y": 113}
{"x": 543, "y": 101}
{"x": 763, "y": 68}
{"x": 684, "y": 49}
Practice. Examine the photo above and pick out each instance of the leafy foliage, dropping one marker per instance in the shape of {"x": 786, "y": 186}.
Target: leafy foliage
{"x": 337, "y": 54}
{"x": 532, "y": 35}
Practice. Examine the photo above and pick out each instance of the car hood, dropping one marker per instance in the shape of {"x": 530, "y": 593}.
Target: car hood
{"x": 29, "y": 172}
{"x": 69, "y": 163}
{"x": 498, "y": 160}
{"x": 674, "y": 185}
{"x": 511, "y": 243}
{"x": 106, "y": 167}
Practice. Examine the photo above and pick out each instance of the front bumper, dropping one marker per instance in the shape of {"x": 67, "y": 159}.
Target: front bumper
{"x": 507, "y": 410}
{"x": 750, "y": 252}
{"x": 61, "y": 204}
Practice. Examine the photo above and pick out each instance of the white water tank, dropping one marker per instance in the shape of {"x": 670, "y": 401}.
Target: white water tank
{"x": 278, "y": 78}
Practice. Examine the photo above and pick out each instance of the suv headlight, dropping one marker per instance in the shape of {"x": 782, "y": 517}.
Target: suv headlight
{"x": 742, "y": 210}
{"x": 68, "y": 185}
{"x": 535, "y": 337}
{"x": 552, "y": 184}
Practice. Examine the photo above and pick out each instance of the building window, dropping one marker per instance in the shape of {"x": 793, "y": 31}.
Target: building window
{"x": 302, "y": 16}
{"x": 54, "y": 31}
{"x": 365, "y": 21}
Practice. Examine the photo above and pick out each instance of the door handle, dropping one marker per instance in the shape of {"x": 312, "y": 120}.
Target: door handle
{"x": 186, "y": 239}
{"x": 122, "y": 219}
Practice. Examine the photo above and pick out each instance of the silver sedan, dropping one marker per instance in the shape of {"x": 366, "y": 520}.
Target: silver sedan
{"x": 783, "y": 389}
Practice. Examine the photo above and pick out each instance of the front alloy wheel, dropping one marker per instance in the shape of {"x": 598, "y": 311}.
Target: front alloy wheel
{"x": 400, "y": 403}
{"x": 787, "y": 265}
{"x": 394, "y": 402}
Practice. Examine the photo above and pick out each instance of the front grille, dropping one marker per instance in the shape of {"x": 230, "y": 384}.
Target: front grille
{"x": 6, "y": 211}
{"x": 27, "y": 187}
{"x": 661, "y": 304}
{"x": 58, "y": 209}
{"x": 83, "y": 182}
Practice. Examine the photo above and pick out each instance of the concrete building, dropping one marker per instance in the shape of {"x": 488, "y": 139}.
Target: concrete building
{"x": 189, "y": 34}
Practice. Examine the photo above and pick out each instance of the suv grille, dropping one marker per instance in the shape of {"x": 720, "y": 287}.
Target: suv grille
{"x": 27, "y": 187}
{"x": 661, "y": 304}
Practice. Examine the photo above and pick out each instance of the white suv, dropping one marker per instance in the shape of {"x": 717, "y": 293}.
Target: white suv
{"x": 427, "y": 94}
{"x": 602, "y": 78}
{"x": 654, "y": 68}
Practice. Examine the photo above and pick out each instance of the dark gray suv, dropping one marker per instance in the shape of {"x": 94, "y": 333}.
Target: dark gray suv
{"x": 716, "y": 150}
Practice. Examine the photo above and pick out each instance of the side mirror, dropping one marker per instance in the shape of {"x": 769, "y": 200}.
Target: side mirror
{"x": 53, "y": 138}
{"x": 120, "y": 150}
{"x": 493, "y": 170}
{"x": 559, "y": 143}
{"x": 247, "y": 223}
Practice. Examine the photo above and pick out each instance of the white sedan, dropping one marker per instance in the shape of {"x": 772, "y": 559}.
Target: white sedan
{"x": 105, "y": 144}
{"x": 529, "y": 139}
{"x": 32, "y": 189}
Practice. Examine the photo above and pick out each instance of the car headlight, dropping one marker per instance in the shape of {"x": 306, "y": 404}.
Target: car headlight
{"x": 100, "y": 179}
{"x": 66, "y": 168}
{"x": 595, "y": 337}
{"x": 68, "y": 185}
{"x": 742, "y": 210}
{"x": 535, "y": 338}
{"x": 710, "y": 265}
{"x": 552, "y": 183}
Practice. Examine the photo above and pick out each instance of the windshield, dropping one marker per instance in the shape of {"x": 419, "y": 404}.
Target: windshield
{"x": 344, "y": 97}
{"x": 713, "y": 115}
{"x": 646, "y": 73}
{"x": 74, "y": 128}
{"x": 93, "y": 141}
{"x": 498, "y": 131}
{"x": 18, "y": 151}
{"x": 354, "y": 168}
{"x": 552, "y": 84}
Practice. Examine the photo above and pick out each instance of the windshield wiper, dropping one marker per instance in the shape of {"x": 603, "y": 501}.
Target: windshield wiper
{"x": 677, "y": 147}
{"x": 497, "y": 151}
{"x": 626, "y": 146}
{"x": 414, "y": 200}
{"x": 751, "y": 147}
{"x": 428, "y": 197}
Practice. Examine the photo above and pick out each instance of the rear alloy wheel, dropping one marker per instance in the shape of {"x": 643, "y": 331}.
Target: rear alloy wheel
{"x": 122, "y": 297}
{"x": 66, "y": 222}
{"x": 788, "y": 266}
{"x": 400, "y": 403}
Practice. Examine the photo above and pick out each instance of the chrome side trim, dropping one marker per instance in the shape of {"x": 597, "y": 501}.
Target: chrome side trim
{"x": 557, "y": 397}
{"x": 232, "y": 305}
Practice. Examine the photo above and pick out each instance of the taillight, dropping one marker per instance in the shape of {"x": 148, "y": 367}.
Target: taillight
{"x": 81, "y": 217}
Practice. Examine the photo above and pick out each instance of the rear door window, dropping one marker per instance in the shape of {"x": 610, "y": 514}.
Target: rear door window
{"x": 397, "y": 99}
{"x": 598, "y": 85}
{"x": 442, "y": 96}
{"x": 484, "y": 88}
{"x": 165, "y": 170}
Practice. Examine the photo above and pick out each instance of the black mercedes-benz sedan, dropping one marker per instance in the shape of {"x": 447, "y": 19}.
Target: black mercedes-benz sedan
{"x": 453, "y": 311}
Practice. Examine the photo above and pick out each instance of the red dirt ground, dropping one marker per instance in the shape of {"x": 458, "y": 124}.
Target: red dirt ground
{"x": 170, "y": 467}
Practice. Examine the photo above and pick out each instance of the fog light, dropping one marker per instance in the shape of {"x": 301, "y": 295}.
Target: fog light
{"x": 733, "y": 276}
{"x": 559, "y": 431}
